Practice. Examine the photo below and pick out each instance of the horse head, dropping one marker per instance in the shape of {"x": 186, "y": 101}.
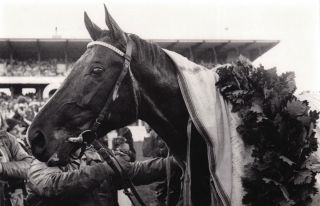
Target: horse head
{"x": 82, "y": 96}
{"x": 80, "y": 99}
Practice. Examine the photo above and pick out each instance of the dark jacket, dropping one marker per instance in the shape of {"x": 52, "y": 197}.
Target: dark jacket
{"x": 86, "y": 185}
{"x": 15, "y": 164}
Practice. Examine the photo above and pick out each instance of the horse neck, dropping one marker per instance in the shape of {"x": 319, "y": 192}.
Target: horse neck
{"x": 162, "y": 105}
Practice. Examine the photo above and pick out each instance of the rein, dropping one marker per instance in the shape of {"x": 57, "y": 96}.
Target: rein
{"x": 90, "y": 136}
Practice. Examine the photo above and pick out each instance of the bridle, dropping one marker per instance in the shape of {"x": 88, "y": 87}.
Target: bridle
{"x": 90, "y": 136}
{"x": 125, "y": 69}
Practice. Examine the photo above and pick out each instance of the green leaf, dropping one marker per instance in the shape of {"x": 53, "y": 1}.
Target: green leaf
{"x": 305, "y": 120}
{"x": 271, "y": 73}
{"x": 304, "y": 177}
{"x": 286, "y": 160}
{"x": 297, "y": 108}
{"x": 312, "y": 164}
{"x": 225, "y": 88}
{"x": 311, "y": 129}
{"x": 275, "y": 103}
{"x": 239, "y": 101}
{"x": 284, "y": 191}
{"x": 239, "y": 92}
{"x": 287, "y": 203}
{"x": 267, "y": 92}
{"x": 315, "y": 168}
{"x": 290, "y": 82}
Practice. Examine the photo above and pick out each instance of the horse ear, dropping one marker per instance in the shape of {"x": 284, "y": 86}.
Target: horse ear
{"x": 116, "y": 31}
{"x": 93, "y": 29}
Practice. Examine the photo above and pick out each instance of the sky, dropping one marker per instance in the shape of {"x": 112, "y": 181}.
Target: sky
{"x": 296, "y": 23}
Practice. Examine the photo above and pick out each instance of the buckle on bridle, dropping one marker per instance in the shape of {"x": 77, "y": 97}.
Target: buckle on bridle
{"x": 127, "y": 60}
{"x": 127, "y": 57}
{"x": 84, "y": 139}
{"x": 98, "y": 122}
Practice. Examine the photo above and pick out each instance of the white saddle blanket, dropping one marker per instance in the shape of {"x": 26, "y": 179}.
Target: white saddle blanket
{"x": 213, "y": 119}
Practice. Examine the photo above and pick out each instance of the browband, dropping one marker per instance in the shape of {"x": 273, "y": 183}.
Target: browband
{"x": 101, "y": 43}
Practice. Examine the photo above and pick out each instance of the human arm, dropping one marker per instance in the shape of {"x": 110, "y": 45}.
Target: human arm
{"x": 149, "y": 171}
{"x": 144, "y": 172}
{"x": 53, "y": 181}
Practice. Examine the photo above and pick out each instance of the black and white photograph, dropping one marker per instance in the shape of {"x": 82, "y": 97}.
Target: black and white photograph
{"x": 159, "y": 103}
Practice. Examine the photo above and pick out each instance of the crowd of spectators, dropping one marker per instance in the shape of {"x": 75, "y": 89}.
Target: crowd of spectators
{"x": 52, "y": 67}
{"x": 17, "y": 113}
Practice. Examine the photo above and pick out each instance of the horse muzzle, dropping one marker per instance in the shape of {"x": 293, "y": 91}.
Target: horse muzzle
{"x": 39, "y": 144}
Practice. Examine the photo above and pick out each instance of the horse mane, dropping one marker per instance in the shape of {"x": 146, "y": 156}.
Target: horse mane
{"x": 148, "y": 52}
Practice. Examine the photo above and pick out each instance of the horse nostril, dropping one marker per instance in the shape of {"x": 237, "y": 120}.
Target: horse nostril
{"x": 38, "y": 142}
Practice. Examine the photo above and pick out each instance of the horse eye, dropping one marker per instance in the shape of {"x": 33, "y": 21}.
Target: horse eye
{"x": 97, "y": 70}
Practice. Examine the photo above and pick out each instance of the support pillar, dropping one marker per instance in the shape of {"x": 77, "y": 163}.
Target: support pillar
{"x": 39, "y": 92}
{"x": 38, "y": 53}
{"x": 191, "y": 54}
{"x": 16, "y": 90}
{"x": 214, "y": 56}
{"x": 66, "y": 55}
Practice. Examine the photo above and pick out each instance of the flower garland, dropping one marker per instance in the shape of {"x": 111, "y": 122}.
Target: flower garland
{"x": 279, "y": 128}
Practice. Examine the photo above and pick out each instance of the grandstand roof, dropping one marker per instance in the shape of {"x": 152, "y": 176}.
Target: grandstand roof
{"x": 26, "y": 81}
{"x": 73, "y": 48}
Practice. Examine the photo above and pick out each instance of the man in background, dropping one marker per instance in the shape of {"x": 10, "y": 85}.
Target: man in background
{"x": 20, "y": 113}
{"x": 127, "y": 135}
{"x": 14, "y": 164}
{"x": 16, "y": 128}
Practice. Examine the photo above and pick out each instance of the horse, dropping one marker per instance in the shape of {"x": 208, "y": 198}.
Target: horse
{"x": 149, "y": 91}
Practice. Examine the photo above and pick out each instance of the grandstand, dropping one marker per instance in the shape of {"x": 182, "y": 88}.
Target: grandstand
{"x": 42, "y": 64}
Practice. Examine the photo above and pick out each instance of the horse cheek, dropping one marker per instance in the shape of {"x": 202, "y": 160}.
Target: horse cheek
{"x": 89, "y": 95}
